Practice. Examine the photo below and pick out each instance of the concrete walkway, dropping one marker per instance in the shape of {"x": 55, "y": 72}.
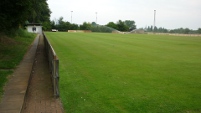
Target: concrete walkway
{"x": 30, "y": 88}
{"x": 40, "y": 98}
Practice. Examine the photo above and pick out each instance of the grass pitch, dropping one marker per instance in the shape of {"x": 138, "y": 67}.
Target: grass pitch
{"x": 111, "y": 73}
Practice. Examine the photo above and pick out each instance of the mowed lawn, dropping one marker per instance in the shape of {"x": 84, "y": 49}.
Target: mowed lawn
{"x": 127, "y": 73}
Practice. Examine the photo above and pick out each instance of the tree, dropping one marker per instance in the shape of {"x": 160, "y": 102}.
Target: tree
{"x": 53, "y": 24}
{"x": 155, "y": 29}
{"x": 62, "y": 25}
{"x": 130, "y": 24}
{"x": 40, "y": 13}
{"x": 94, "y": 24}
{"x": 186, "y": 31}
{"x": 121, "y": 26}
{"x": 199, "y": 30}
{"x": 112, "y": 25}
{"x": 85, "y": 26}
{"x": 13, "y": 14}
{"x": 74, "y": 27}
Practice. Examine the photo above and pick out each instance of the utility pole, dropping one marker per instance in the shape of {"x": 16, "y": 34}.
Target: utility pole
{"x": 154, "y": 20}
{"x": 96, "y": 17}
{"x": 71, "y": 16}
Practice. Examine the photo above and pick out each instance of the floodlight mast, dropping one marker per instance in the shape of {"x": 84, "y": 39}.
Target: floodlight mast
{"x": 96, "y": 17}
{"x": 71, "y": 16}
{"x": 154, "y": 20}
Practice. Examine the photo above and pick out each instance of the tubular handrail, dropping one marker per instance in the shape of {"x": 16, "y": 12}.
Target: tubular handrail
{"x": 53, "y": 62}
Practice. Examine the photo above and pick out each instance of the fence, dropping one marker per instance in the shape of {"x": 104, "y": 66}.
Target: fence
{"x": 53, "y": 65}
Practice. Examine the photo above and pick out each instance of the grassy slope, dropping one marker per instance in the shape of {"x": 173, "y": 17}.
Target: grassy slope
{"x": 128, "y": 73}
{"x": 12, "y": 51}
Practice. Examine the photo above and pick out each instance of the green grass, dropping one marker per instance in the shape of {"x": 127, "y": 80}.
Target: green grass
{"x": 3, "y": 80}
{"x": 113, "y": 73}
{"x": 12, "y": 51}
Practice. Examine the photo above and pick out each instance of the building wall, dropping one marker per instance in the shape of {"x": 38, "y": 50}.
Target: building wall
{"x": 79, "y": 31}
{"x": 38, "y": 29}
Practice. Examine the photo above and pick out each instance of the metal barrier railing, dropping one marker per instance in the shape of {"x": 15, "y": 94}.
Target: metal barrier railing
{"x": 53, "y": 65}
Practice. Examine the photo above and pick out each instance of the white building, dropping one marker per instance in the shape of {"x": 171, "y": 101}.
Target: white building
{"x": 34, "y": 28}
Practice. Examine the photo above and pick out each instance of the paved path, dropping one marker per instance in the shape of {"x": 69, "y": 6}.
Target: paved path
{"x": 30, "y": 88}
{"x": 40, "y": 98}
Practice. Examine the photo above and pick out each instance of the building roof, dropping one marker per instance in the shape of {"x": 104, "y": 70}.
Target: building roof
{"x": 32, "y": 24}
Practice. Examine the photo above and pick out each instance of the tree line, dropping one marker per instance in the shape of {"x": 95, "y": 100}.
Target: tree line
{"x": 15, "y": 14}
{"x": 125, "y": 26}
{"x": 120, "y": 25}
{"x": 178, "y": 30}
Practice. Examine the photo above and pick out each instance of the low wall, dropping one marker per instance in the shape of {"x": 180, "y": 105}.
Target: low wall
{"x": 79, "y": 31}
{"x": 53, "y": 62}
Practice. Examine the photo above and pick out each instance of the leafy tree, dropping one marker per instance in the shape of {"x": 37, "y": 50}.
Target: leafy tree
{"x": 53, "y": 24}
{"x": 39, "y": 12}
{"x": 13, "y": 14}
{"x": 121, "y": 26}
{"x": 155, "y": 29}
{"x": 199, "y": 30}
{"x": 187, "y": 31}
{"x": 112, "y": 25}
{"x": 130, "y": 24}
{"x": 62, "y": 25}
{"x": 85, "y": 26}
{"x": 74, "y": 27}
{"x": 94, "y": 24}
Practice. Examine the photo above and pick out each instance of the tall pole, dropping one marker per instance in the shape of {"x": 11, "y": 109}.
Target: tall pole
{"x": 71, "y": 16}
{"x": 96, "y": 17}
{"x": 154, "y": 20}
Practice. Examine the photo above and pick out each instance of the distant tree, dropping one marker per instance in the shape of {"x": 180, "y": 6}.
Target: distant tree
{"x": 53, "y": 24}
{"x": 85, "y": 26}
{"x": 93, "y": 24}
{"x": 149, "y": 29}
{"x": 62, "y": 25}
{"x": 74, "y": 27}
{"x": 182, "y": 31}
{"x": 162, "y": 30}
{"x": 112, "y": 25}
{"x": 186, "y": 31}
{"x": 199, "y": 30}
{"x": 46, "y": 25}
{"x": 155, "y": 29}
{"x": 121, "y": 26}
{"x": 130, "y": 24}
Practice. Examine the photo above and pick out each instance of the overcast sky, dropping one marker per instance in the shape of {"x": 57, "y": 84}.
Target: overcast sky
{"x": 169, "y": 13}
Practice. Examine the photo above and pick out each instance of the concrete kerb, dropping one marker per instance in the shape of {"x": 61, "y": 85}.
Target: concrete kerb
{"x": 16, "y": 88}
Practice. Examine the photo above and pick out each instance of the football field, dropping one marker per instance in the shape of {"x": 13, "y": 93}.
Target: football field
{"x": 127, "y": 73}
